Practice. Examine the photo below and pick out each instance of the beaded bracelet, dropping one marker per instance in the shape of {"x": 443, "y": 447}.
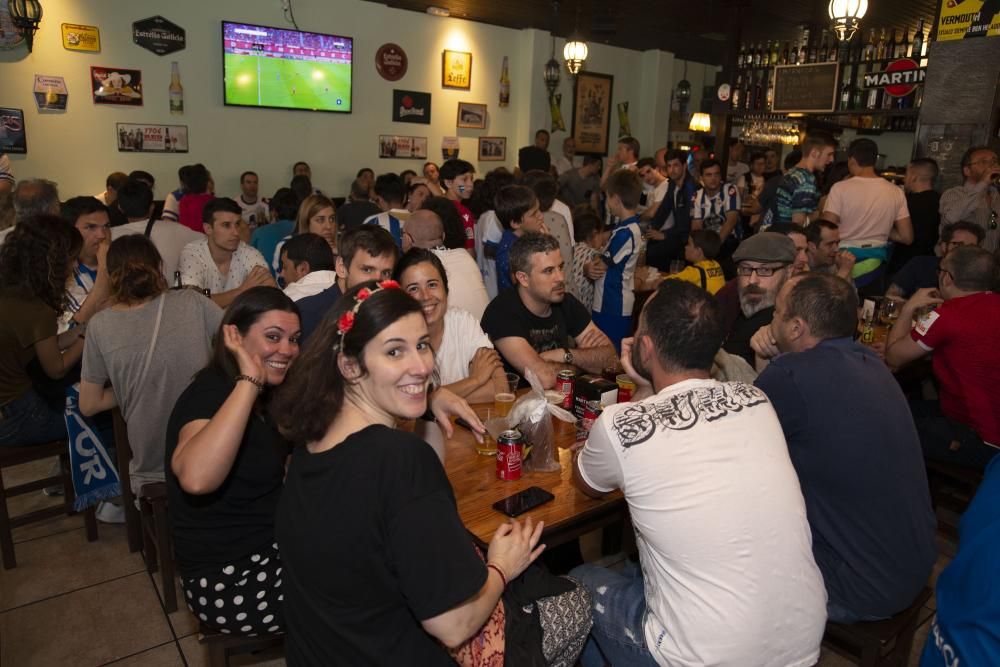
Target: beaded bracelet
{"x": 252, "y": 380}
{"x": 503, "y": 577}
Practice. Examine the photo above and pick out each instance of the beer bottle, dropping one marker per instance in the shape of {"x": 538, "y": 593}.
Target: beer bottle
{"x": 758, "y": 89}
{"x": 774, "y": 53}
{"x": 177, "y": 281}
{"x": 504, "y": 85}
{"x": 880, "y": 49}
{"x": 845, "y": 96}
{"x": 737, "y": 91}
{"x": 793, "y": 56}
{"x": 757, "y": 55}
{"x": 869, "y": 50}
{"x": 903, "y": 49}
{"x": 890, "y": 48}
{"x": 824, "y": 49}
{"x": 918, "y": 43}
{"x": 741, "y": 58}
{"x": 176, "y": 91}
{"x": 784, "y": 55}
{"x": 769, "y": 103}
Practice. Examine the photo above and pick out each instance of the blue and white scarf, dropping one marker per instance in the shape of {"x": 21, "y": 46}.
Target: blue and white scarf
{"x": 94, "y": 475}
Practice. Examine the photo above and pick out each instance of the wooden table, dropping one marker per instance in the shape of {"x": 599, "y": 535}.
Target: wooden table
{"x": 570, "y": 515}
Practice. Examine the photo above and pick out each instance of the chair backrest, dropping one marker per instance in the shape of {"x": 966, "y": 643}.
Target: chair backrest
{"x": 123, "y": 454}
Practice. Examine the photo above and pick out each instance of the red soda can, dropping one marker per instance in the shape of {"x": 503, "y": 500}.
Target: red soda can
{"x": 591, "y": 411}
{"x": 565, "y": 382}
{"x": 510, "y": 451}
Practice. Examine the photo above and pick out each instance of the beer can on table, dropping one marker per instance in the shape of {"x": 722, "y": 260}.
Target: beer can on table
{"x": 626, "y": 388}
{"x": 510, "y": 451}
{"x": 565, "y": 381}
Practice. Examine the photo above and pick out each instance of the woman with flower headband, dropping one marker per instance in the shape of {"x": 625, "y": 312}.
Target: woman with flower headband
{"x": 379, "y": 568}
{"x": 225, "y": 464}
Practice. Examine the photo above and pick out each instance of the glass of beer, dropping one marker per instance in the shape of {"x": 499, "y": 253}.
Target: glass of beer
{"x": 503, "y": 401}
{"x": 488, "y": 447}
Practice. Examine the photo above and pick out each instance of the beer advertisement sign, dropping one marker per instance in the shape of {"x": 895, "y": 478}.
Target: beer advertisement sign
{"x": 115, "y": 85}
{"x": 145, "y": 138}
{"x": 410, "y": 106}
{"x": 966, "y": 19}
{"x": 77, "y": 37}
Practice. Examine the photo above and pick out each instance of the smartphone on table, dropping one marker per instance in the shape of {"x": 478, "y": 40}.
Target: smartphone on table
{"x": 524, "y": 501}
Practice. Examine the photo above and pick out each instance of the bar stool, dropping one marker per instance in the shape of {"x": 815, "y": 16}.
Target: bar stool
{"x": 878, "y": 643}
{"x": 12, "y": 456}
{"x": 221, "y": 646}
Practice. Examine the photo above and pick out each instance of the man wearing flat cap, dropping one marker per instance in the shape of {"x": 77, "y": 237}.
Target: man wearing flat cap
{"x": 763, "y": 264}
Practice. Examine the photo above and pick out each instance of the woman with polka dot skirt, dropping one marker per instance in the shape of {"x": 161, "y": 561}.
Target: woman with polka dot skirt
{"x": 225, "y": 464}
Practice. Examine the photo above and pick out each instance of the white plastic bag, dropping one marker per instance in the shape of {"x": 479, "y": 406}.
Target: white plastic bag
{"x": 531, "y": 414}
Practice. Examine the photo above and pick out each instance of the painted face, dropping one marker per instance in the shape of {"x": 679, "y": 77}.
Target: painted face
{"x": 249, "y": 186}
{"x": 423, "y": 282}
{"x": 365, "y": 267}
{"x": 224, "y": 232}
{"x": 461, "y": 186}
{"x": 532, "y": 220}
{"x": 547, "y": 280}
{"x": 324, "y": 223}
{"x": 826, "y": 253}
{"x": 758, "y": 292}
{"x": 95, "y": 229}
{"x": 400, "y": 362}
{"x": 417, "y": 198}
{"x": 711, "y": 178}
{"x": 675, "y": 170}
{"x": 274, "y": 337}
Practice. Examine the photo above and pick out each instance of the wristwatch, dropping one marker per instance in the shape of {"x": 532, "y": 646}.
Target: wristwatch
{"x": 568, "y": 356}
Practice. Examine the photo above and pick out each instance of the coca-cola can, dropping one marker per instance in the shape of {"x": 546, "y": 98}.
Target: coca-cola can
{"x": 591, "y": 411}
{"x": 510, "y": 451}
{"x": 565, "y": 382}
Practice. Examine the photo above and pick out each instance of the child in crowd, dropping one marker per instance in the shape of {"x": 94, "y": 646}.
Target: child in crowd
{"x": 518, "y": 212}
{"x": 588, "y": 228}
{"x": 457, "y": 179}
{"x": 701, "y": 250}
{"x": 613, "y": 292}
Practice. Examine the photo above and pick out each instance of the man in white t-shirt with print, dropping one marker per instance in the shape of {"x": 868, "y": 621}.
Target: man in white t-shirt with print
{"x": 727, "y": 573}
{"x": 221, "y": 262}
{"x": 654, "y": 187}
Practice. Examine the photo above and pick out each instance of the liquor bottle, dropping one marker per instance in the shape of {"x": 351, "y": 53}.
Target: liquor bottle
{"x": 177, "y": 281}
{"x": 741, "y": 57}
{"x": 737, "y": 92}
{"x": 793, "y": 55}
{"x": 919, "y": 45}
{"x": 504, "y": 85}
{"x": 747, "y": 103}
{"x": 888, "y": 101}
{"x": 774, "y": 53}
{"x": 859, "y": 97}
{"x": 904, "y": 102}
{"x": 769, "y": 103}
{"x": 869, "y": 50}
{"x": 757, "y": 54}
{"x": 833, "y": 55}
{"x": 880, "y": 47}
{"x": 176, "y": 91}
{"x": 824, "y": 48}
{"x": 785, "y": 55}
{"x": 903, "y": 48}
{"x": 890, "y": 48}
{"x": 811, "y": 53}
{"x": 758, "y": 92}
{"x": 874, "y": 95}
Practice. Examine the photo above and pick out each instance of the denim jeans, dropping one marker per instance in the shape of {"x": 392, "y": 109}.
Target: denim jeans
{"x": 28, "y": 420}
{"x": 938, "y": 431}
{"x": 617, "y": 637}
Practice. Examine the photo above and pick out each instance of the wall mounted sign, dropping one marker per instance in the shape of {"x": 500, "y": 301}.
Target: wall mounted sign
{"x": 158, "y": 35}
{"x": 471, "y": 116}
{"x": 395, "y": 146}
{"x": 81, "y": 37}
{"x": 449, "y": 148}
{"x": 963, "y": 19}
{"x": 13, "y": 138}
{"x": 143, "y": 138}
{"x": 900, "y": 77}
{"x": 492, "y": 149}
{"x": 50, "y": 93}
{"x": 805, "y": 88}
{"x": 592, "y": 113}
{"x": 111, "y": 85}
{"x": 724, "y": 93}
{"x": 456, "y": 69}
{"x": 624, "y": 126}
{"x": 391, "y": 62}
{"x": 410, "y": 106}
{"x": 555, "y": 112}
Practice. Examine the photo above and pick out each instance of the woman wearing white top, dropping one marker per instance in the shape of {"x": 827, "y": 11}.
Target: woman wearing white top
{"x": 465, "y": 360}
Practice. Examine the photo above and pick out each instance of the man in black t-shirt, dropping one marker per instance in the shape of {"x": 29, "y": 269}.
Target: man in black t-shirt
{"x": 536, "y": 324}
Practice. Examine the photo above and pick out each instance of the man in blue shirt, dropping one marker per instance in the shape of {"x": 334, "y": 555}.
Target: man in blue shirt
{"x": 855, "y": 448}
{"x": 671, "y": 223}
{"x": 614, "y": 295}
{"x": 922, "y": 271}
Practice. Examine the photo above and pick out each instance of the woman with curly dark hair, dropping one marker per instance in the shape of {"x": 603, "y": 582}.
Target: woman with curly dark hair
{"x": 35, "y": 263}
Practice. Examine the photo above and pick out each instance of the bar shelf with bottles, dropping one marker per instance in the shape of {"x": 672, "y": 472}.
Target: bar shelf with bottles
{"x": 869, "y": 52}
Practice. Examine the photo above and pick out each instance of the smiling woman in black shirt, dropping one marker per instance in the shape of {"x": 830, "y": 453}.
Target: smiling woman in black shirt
{"x": 225, "y": 463}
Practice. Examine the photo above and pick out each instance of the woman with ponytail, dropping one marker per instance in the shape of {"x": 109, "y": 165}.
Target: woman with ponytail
{"x": 148, "y": 345}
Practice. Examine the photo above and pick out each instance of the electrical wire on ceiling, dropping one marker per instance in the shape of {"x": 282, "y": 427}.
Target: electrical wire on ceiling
{"x": 286, "y": 7}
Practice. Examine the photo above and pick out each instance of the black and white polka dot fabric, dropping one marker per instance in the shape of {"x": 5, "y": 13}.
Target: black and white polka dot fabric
{"x": 243, "y": 598}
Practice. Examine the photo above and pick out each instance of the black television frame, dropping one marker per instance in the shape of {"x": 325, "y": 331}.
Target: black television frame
{"x": 266, "y": 106}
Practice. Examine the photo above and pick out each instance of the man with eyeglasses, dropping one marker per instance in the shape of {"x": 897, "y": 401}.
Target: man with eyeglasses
{"x": 763, "y": 263}
{"x": 963, "y": 425}
{"x": 921, "y": 272}
{"x": 978, "y": 199}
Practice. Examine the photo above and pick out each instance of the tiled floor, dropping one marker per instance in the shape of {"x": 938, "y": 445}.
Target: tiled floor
{"x": 73, "y": 602}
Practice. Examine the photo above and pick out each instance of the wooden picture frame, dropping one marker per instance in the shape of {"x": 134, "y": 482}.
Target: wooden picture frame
{"x": 492, "y": 149}
{"x": 471, "y": 116}
{"x": 592, "y": 96}
{"x": 456, "y": 69}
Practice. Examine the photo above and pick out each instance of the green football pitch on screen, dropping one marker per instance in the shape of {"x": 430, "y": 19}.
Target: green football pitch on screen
{"x": 293, "y": 84}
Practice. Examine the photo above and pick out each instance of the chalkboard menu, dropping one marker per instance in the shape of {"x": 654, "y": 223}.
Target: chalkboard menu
{"x": 805, "y": 88}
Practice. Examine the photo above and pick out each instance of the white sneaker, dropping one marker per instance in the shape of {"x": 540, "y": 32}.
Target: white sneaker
{"x": 110, "y": 513}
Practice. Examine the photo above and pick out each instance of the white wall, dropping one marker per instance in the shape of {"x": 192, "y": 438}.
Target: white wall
{"x": 77, "y": 148}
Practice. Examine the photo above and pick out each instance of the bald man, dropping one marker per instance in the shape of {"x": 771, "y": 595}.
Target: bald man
{"x": 466, "y": 290}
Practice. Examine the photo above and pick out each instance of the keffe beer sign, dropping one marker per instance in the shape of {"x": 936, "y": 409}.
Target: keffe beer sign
{"x": 899, "y": 78}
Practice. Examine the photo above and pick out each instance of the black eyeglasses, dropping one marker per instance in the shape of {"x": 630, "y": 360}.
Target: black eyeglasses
{"x": 941, "y": 270}
{"x": 761, "y": 271}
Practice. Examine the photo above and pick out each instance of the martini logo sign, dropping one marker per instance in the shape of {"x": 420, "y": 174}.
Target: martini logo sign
{"x": 899, "y": 78}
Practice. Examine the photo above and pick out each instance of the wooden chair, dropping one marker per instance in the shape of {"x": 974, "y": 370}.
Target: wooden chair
{"x": 148, "y": 527}
{"x": 221, "y": 646}
{"x": 952, "y": 487}
{"x": 878, "y": 643}
{"x": 12, "y": 456}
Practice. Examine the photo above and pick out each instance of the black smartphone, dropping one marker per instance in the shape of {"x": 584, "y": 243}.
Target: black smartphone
{"x": 526, "y": 500}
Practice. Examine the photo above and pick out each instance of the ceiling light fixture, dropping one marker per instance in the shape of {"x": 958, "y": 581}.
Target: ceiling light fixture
{"x": 846, "y": 16}
{"x": 575, "y": 51}
{"x": 25, "y": 15}
{"x": 438, "y": 11}
{"x": 550, "y": 73}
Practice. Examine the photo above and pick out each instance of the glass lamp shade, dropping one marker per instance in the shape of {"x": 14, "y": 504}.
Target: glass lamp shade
{"x": 25, "y": 15}
{"x": 846, "y": 16}
{"x": 551, "y": 75}
{"x": 575, "y": 54}
{"x": 700, "y": 122}
{"x": 683, "y": 90}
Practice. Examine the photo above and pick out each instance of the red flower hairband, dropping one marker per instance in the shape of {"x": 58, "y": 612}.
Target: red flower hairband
{"x": 346, "y": 321}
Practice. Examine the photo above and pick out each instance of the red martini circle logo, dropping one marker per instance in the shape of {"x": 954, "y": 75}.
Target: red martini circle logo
{"x": 903, "y": 76}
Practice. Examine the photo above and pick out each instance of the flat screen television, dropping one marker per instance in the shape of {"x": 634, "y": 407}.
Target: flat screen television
{"x": 286, "y": 69}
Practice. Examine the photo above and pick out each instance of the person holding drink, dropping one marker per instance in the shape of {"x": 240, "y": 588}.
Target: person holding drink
{"x": 379, "y": 568}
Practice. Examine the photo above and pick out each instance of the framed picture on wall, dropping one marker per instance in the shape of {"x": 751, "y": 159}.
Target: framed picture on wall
{"x": 396, "y": 146}
{"x": 456, "y": 69}
{"x": 471, "y": 116}
{"x": 13, "y": 138}
{"x": 492, "y": 149}
{"x": 143, "y": 138}
{"x": 116, "y": 85}
{"x": 592, "y": 113}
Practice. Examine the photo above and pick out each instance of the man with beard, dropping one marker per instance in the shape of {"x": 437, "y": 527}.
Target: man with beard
{"x": 536, "y": 324}
{"x": 715, "y": 502}
{"x": 763, "y": 263}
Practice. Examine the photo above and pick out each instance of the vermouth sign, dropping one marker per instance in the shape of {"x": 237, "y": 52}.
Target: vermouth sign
{"x": 899, "y": 78}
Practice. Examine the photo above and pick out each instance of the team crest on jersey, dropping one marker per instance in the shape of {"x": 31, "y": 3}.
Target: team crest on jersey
{"x": 638, "y": 422}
